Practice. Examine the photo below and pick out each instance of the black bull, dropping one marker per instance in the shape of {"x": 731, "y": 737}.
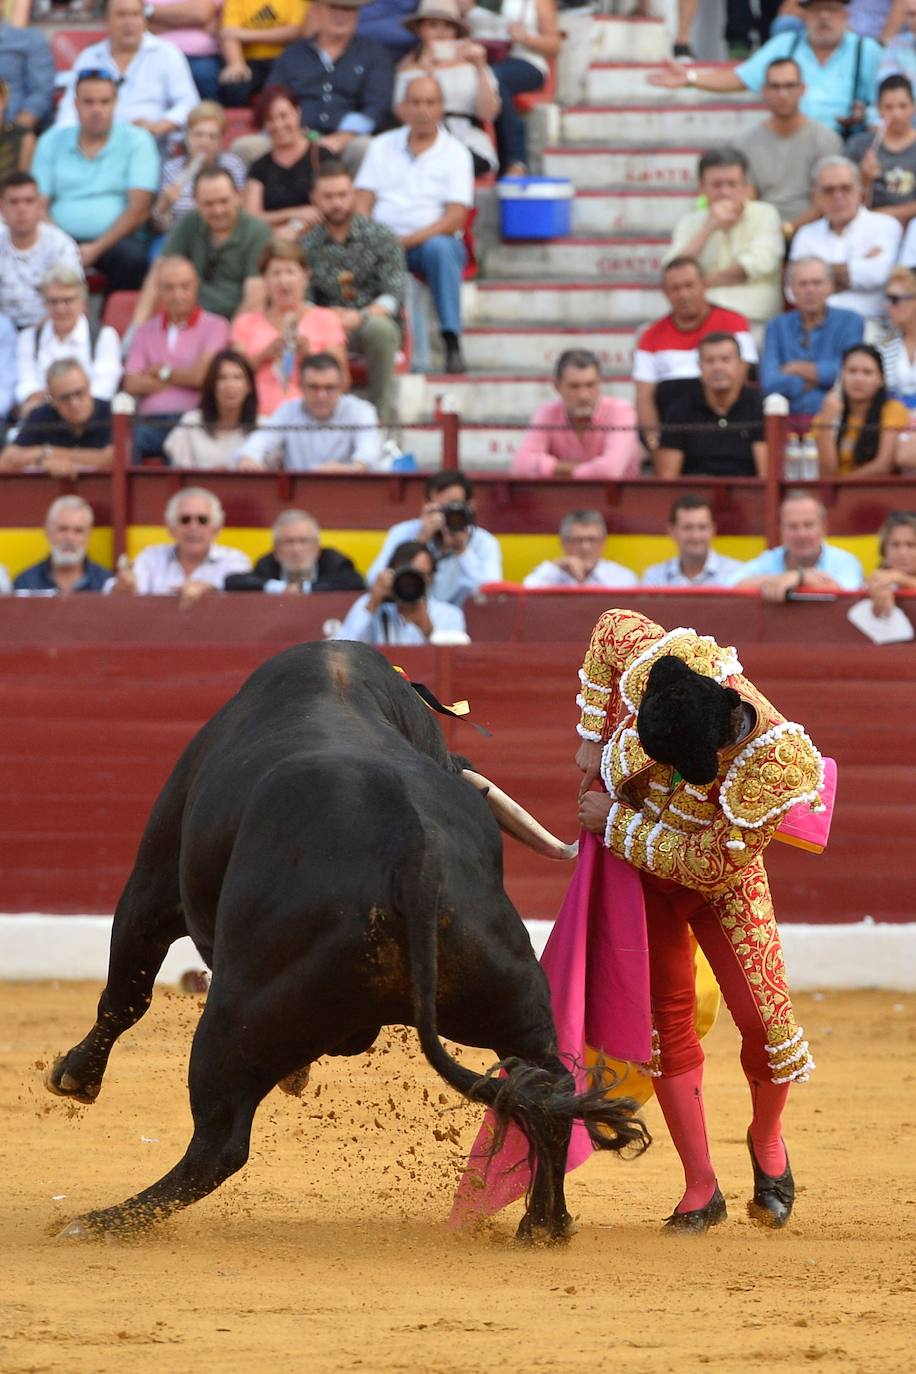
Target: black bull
{"x": 318, "y": 843}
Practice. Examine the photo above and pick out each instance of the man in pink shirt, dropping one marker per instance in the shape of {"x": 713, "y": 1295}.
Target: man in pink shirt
{"x": 584, "y": 434}
{"x": 170, "y": 355}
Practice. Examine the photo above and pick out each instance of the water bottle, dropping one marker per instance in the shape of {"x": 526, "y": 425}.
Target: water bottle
{"x": 792, "y": 462}
{"x": 810, "y": 460}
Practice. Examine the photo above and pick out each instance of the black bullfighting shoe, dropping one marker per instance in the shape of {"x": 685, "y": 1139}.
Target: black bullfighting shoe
{"x": 698, "y": 1222}
{"x": 773, "y": 1197}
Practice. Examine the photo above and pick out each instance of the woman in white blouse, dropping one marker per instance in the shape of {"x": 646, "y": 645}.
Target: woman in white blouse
{"x": 212, "y": 436}
{"x": 527, "y": 31}
{"x": 468, "y": 85}
{"x": 65, "y": 333}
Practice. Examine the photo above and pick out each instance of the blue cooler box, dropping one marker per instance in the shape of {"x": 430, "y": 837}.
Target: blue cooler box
{"x": 535, "y": 207}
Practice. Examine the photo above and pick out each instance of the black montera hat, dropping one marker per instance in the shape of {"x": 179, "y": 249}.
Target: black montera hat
{"x": 685, "y": 718}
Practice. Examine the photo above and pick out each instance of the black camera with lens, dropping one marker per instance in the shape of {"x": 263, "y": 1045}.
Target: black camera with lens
{"x": 408, "y": 586}
{"x": 457, "y": 516}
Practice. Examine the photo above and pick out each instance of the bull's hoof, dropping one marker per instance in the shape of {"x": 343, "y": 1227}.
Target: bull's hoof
{"x": 296, "y": 1083}
{"x": 110, "y": 1223}
{"x": 532, "y": 1232}
{"x": 63, "y": 1084}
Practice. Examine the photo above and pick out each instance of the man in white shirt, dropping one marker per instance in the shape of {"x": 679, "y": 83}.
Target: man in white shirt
{"x": 582, "y": 534}
{"x": 194, "y": 565}
{"x": 156, "y": 90}
{"x": 692, "y": 526}
{"x": 324, "y": 432}
{"x": 861, "y": 245}
{"x": 465, "y": 556}
{"x": 419, "y": 182}
{"x": 29, "y": 247}
{"x": 399, "y": 608}
{"x": 67, "y": 333}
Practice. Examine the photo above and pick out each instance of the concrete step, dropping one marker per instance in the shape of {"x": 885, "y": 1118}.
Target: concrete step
{"x": 591, "y": 169}
{"x": 612, "y": 81}
{"x": 578, "y": 259}
{"x": 658, "y": 122}
{"x": 629, "y": 212}
{"x": 503, "y": 397}
{"x": 535, "y": 348}
{"x": 637, "y": 40}
{"x": 568, "y": 303}
{"x": 481, "y": 450}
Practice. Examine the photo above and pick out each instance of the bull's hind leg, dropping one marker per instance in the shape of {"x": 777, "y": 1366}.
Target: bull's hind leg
{"x": 147, "y": 921}
{"x": 243, "y": 1046}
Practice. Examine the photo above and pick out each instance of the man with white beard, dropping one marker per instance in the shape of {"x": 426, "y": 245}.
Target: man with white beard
{"x": 67, "y": 567}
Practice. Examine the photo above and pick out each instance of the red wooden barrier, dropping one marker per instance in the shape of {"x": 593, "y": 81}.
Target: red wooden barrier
{"x": 100, "y": 696}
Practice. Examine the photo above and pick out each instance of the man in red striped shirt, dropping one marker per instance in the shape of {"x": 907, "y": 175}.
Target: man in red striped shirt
{"x": 666, "y": 358}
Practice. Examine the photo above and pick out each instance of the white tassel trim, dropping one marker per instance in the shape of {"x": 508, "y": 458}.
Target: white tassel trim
{"x": 658, "y": 829}
{"x": 735, "y": 844}
{"x": 727, "y": 668}
{"x": 658, "y": 787}
{"x": 786, "y": 1044}
{"x": 799, "y": 1075}
{"x": 591, "y": 710}
{"x": 609, "y": 828}
{"x": 787, "y": 727}
{"x": 686, "y": 816}
{"x": 593, "y": 686}
{"x": 695, "y": 792}
{"x": 588, "y": 734}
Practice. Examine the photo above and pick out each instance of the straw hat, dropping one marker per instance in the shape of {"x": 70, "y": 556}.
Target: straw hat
{"x": 438, "y": 9}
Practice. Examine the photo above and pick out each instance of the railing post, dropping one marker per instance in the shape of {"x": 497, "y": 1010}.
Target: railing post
{"x": 775, "y": 432}
{"x": 122, "y": 430}
{"x": 449, "y": 422}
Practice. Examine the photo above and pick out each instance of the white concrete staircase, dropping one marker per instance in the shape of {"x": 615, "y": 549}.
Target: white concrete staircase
{"x": 630, "y": 151}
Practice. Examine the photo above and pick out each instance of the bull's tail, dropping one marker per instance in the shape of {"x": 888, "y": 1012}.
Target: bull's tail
{"x": 541, "y": 1100}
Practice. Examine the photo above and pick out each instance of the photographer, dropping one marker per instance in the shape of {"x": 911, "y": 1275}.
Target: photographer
{"x": 464, "y": 555}
{"x": 399, "y": 609}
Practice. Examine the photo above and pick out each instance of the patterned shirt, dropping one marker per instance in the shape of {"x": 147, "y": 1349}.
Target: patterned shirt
{"x": 22, "y": 271}
{"x": 367, "y": 268}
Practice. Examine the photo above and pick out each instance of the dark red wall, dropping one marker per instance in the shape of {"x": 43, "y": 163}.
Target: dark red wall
{"x": 98, "y": 697}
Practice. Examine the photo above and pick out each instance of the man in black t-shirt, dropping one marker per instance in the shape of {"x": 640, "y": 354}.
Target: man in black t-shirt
{"x": 70, "y": 433}
{"x": 716, "y": 429}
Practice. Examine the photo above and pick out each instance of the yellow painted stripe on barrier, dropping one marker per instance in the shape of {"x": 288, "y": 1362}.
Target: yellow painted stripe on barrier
{"x": 19, "y": 548}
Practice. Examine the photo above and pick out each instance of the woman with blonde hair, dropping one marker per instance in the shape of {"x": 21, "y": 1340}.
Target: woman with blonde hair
{"x": 203, "y": 148}
{"x": 276, "y": 338}
{"x": 898, "y": 348}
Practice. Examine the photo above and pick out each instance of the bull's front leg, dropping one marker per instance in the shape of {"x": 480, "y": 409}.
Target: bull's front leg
{"x": 147, "y": 921}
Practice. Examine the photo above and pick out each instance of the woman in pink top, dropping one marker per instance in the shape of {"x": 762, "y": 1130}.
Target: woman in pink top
{"x": 277, "y": 338}
{"x": 583, "y": 434}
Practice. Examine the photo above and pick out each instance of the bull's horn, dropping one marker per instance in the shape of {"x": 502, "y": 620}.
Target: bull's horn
{"x": 515, "y": 820}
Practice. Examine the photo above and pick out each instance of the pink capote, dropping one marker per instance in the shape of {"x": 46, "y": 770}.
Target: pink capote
{"x": 597, "y": 964}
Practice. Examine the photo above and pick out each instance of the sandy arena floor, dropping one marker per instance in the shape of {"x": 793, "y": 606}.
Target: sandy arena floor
{"x": 329, "y": 1252}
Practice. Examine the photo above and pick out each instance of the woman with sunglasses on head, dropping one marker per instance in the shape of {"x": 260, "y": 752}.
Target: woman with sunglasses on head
{"x": 898, "y": 348}
{"x": 210, "y": 436}
{"x": 897, "y": 569}
{"x": 193, "y": 564}
{"x": 858, "y": 428}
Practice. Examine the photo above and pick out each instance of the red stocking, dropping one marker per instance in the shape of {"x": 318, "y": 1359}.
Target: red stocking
{"x": 769, "y": 1099}
{"x": 681, "y": 1101}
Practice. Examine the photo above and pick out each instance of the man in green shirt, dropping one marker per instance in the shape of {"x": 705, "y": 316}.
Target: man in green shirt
{"x": 222, "y": 242}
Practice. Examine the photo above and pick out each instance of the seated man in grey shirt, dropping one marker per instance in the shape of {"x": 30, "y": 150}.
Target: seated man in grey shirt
{"x": 693, "y": 528}
{"x": 783, "y": 151}
{"x": 326, "y": 431}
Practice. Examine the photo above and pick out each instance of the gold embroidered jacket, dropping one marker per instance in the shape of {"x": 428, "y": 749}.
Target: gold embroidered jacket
{"x": 702, "y": 837}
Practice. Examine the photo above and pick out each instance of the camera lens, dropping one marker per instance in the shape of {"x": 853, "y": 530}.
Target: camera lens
{"x": 408, "y": 585}
{"x": 457, "y": 516}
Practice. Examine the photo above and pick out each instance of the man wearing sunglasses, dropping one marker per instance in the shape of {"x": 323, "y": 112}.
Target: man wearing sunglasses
{"x": 193, "y": 565}
{"x": 69, "y": 433}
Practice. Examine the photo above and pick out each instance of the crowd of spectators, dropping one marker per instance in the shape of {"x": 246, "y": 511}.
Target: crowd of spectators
{"x": 261, "y": 270}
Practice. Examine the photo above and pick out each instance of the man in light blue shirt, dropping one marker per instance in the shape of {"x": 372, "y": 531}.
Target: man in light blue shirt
{"x": 827, "y": 55}
{"x": 465, "y": 556}
{"x": 99, "y": 179}
{"x": 325, "y": 431}
{"x": 692, "y": 526}
{"x": 803, "y": 348}
{"x": 401, "y": 610}
{"x": 27, "y": 67}
{"x": 804, "y": 561}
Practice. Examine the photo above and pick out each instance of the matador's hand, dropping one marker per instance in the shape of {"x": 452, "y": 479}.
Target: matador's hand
{"x": 593, "y": 811}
